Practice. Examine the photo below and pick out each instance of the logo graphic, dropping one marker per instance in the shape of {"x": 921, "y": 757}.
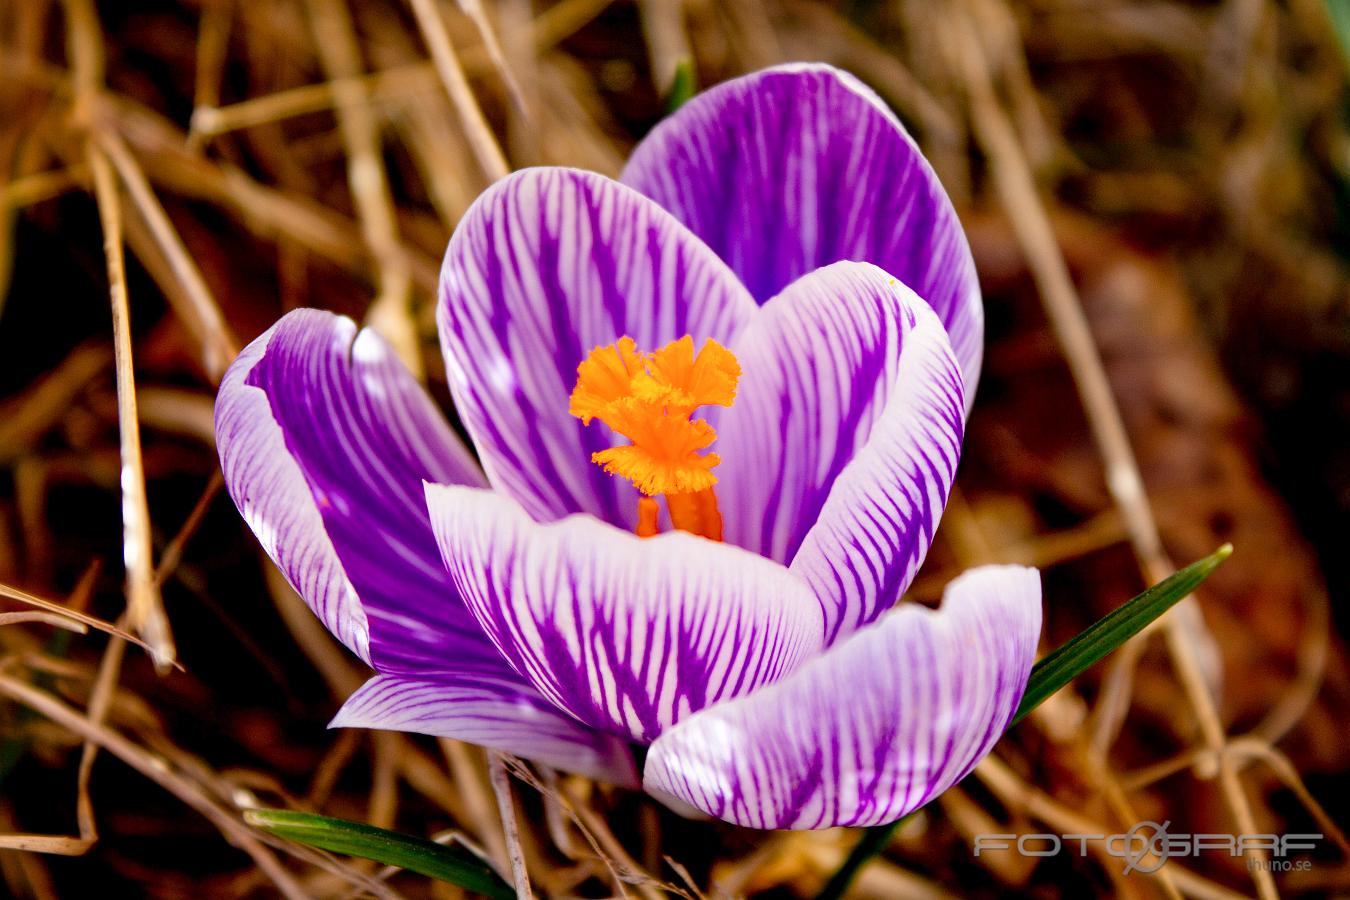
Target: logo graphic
{"x": 1148, "y": 845}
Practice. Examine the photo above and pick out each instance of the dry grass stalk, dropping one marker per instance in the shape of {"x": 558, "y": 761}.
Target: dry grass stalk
{"x": 144, "y": 605}
{"x": 391, "y": 312}
{"x": 506, "y": 809}
{"x": 1014, "y": 180}
{"x": 26, "y": 420}
{"x": 617, "y": 860}
{"x": 667, "y": 39}
{"x": 1021, "y": 795}
{"x": 154, "y": 769}
{"x": 479, "y": 16}
{"x": 476, "y": 128}
{"x": 202, "y": 315}
{"x": 280, "y": 178}
{"x": 478, "y": 806}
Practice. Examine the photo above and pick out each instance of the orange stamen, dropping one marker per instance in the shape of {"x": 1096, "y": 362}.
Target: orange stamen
{"x": 649, "y": 398}
{"x": 696, "y": 512}
{"x": 648, "y": 515}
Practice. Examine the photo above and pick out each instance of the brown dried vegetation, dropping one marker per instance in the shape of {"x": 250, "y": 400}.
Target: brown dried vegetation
{"x": 1144, "y": 181}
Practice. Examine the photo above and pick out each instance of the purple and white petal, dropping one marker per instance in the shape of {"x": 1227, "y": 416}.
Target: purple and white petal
{"x": 798, "y": 166}
{"x": 850, "y": 402}
{"x": 485, "y": 709}
{"x": 324, "y": 440}
{"x": 547, "y": 265}
{"x": 872, "y": 729}
{"x": 843, "y": 444}
{"x": 628, "y": 634}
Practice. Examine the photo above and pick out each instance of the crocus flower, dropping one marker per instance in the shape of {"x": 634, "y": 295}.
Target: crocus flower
{"x": 718, "y": 406}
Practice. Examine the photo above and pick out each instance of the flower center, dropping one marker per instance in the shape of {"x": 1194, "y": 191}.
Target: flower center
{"x": 649, "y": 398}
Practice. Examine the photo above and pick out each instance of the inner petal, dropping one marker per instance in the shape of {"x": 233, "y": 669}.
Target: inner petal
{"x": 546, "y": 265}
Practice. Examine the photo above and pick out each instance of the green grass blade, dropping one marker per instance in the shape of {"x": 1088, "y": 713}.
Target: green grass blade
{"x": 1080, "y": 653}
{"x": 683, "y": 86}
{"x": 1054, "y": 671}
{"x": 452, "y": 864}
{"x": 1339, "y": 11}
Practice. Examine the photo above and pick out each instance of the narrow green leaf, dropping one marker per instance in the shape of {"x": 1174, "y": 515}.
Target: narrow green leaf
{"x": 683, "y": 86}
{"x": 444, "y": 863}
{"x": 872, "y": 842}
{"x": 1054, "y": 671}
{"x": 1062, "y": 665}
{"x": 1339, "y": 11}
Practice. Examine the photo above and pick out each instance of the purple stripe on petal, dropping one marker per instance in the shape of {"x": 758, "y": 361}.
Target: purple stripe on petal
{"x": 627, "y": 634}
{"x": 795, "y": 167}
{"x": 490, "y": 711}
{"x": 875, "y": 526}
{"x": 828, "y": 364}
{"x": 872, "y": 729}
{"x": 324, "y": 441}
{"x": 547, "y": 265}
{"x": 843, "y": 444}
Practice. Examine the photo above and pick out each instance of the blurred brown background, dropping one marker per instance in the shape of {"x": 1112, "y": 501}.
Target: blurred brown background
{"x": 1157, "y": 192}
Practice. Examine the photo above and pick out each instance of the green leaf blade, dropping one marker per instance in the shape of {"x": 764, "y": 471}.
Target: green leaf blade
{"x": 1068, "y": 661}
{"x": 683, "y": 86}
{"x": 444, "y": 863}
{"x": 1339, "y": 12}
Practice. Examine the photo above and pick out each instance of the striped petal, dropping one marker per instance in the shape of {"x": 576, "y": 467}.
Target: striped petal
{"x": 324, "y": 440}
{"x": 874, "y": 728}
{"x": 828, "y": 364}
{"x": 490, "y": 711}
{"x": 850, "y": 401}
{"x": 795, "y": 167}
{"x": 627, "y": 634}
{"x": 547, "y": 265}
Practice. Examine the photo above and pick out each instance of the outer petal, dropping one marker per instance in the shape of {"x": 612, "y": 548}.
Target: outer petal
{"x": 324, "y": 440}
{"x": 849, "y": 414}
{"x": 495, "y": 712}
{"x": 547, "y": 265}
{"x": 798, "y": 166}
{"x": 874, "y": 728}
{"x": 627, "y": 634}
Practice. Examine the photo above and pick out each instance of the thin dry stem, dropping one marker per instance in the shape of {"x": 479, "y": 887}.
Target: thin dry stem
{"x": 396, "y": 84}
{"x": 481, "y": 139}
{"x": 213, "y": 40}
{"x": 506, "y": 809}
{"x": 391, "y": 312}
{"x": 57, "y": 609}
{"x": 597, "y": 832}
{"x": 36, "y": 188}
{"x": 377, "y": 87}
{"x": 25, "y": 421}
{"x": 46, "y": 843}
{"x": 144, "y": 605}
{"x": 100, "y": 699}
{"x": 1017, "y": 190}
{"x": 1020, "y": 795}
{"x": 202, "y": 316}
{"x": 173, "y": 551}
{"x": 382, "y": 805}
{"x": 156, "y": 771}
{"x": 479, "y": 16}
{"x": 473, "y": 794}
{"x": 565, "y": 18}
{"x": 46, "y": 618}
{"x": 667, "y": 39}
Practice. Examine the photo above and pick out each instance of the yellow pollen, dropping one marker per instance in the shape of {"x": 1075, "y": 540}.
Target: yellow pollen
{"x": 649, "y": 398}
